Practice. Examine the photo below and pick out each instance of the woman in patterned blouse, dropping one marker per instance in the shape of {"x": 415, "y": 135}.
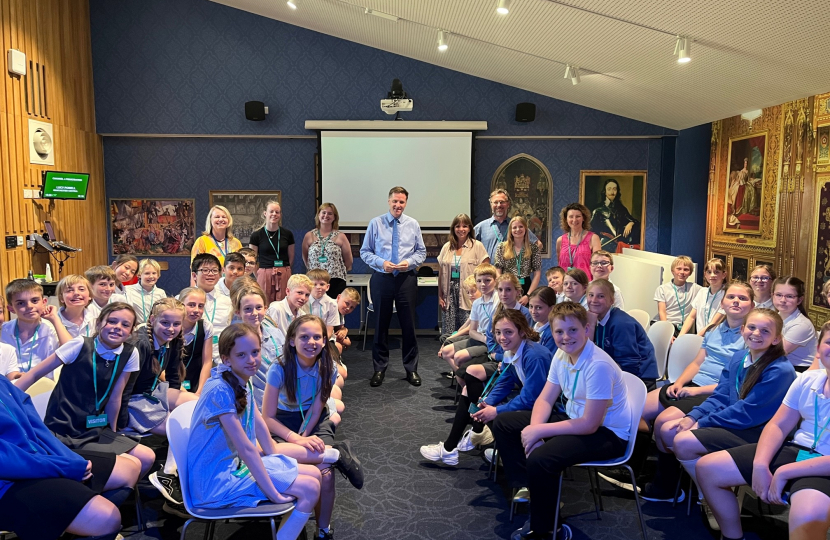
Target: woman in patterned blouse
{"x": 326, "y": 248}
{"x": 518, "y": 256}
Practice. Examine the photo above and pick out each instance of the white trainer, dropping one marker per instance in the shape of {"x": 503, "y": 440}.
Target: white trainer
{"x": 484, "y": 438}
{"x": 466, "y": 444}
{"x": 436, "y": 452}
{"x": 488, "y": 455}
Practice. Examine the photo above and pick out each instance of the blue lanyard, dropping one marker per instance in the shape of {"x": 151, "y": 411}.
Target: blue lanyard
{"x": 98, "y": 402}
{"x": 493, "y": 379}
{"x": 31, "y": 349}
{"x": 741, "y": 370}
{"x": 161, "y": 368}
{"x": 249, "y": 408}
{"x": 305, "y": 418}
{"x": 323, "y": 243}
{"x": 276, "y": 250}
{"x": 215, "y": 241}
{"x": 572, "y": 251}
{"x": 519, "y": 258}
{"x": 573, "y": 391}
{"x": 710, "y": 304}
{"x": 497, "y": 231}
{"x": 16, "y": 421}
{"x": 456, "y": 262}
{"x": 677, "y": 297}
{"x": 816, "y": 432}
{"x": 276, "y": 347}
{"x": 601, "y": 341}
{"x": 213, "y": 313}
{"x": 143, "y": 311}
{"x": 193, "y": 349}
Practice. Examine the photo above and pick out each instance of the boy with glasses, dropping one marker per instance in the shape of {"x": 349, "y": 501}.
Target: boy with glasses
{"x": 602, "y": 264}
{"x": 218, "y": 307}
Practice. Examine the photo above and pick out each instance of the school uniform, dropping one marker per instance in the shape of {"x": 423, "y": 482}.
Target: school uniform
{"x": 296, "y": 415}
{"x": 74, "y": 401}
{"x": 491, "y": 353}
{"x": 678, "y": 300}
{"x": 799, "y": 330}
{"x": 148, "y": 406}
{"x": 707, "y": 306}
{"x": 482, "y": 312}
{"x": 582, "y": 301}
{"x": 282, "y": 314}
{"x": 595, "y": 376}
{"x": 720, "y": 343}
{"x": 528, "y": 369}
{"x": 725, "y": 420}
{"x": 218, "y": 311}
{"x": 31, "y": 352}
{"x": 273, "y": 341}
{"x": 87, "y": 326}
{"x": 219, "y": 478}
{"x": 619, "y": 301}
{"x": 119, "y": 294}
{"x": 142, "y": 301}
{"x": 324, "y": 307}
{"x": 805, "y": 395}
{"x": 625, "y": 340}
{"x": 39, "y": 476}
{"x": 767, "y": 304}
{"x": 192, "y": 350}
{"x": 546, "y": 336}
{"x": 222, "y": 287}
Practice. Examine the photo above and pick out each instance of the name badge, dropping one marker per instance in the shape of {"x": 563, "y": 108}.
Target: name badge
{"x": 215, "y": 340}
{"x": 186, "y": 385}
{"x": 322, "y": 259}
{"x": 804, "y": 455}
{"x": 277, "y": 264}
{"x": 521, "y": 281}
{"x": 94, "y": 421}
{"x": 456, "y": 274}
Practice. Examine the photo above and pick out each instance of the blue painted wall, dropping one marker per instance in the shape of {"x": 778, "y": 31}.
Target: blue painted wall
{"x": 691, "y": 185}
{"x": 188, "y": 67}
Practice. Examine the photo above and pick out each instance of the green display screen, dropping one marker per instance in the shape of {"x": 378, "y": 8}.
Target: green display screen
{"x": 64, "y": 185}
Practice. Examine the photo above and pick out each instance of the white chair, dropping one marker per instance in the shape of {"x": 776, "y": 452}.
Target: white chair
{"x": 636, "y": 393}
{"x": 683, "y": 352}
{"x": 42, "y": 385}
{"x": 178, "y": 434}
{"x": 41, "y": 401}
{"x": 370, "y": 308}
{"x": 660, "y": 334}
{"x": 641, "y": 317}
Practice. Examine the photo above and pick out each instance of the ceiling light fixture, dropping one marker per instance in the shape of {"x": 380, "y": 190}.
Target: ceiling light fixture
{"x": 381, "y": 14}
{"x": 572, "y": 73}
{"x": 292, "y": 4}
{"x": 504, "y": 7}
{"x": 442, "y": 41}
{"x": 682, "y": 49}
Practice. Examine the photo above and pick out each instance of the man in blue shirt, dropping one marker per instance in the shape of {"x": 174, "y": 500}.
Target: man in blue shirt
{"x": 393, "y": 248}
{"x": 493, "y": 231}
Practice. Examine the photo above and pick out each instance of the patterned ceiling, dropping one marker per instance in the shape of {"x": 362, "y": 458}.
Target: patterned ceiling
{"x": 745, "y": 54}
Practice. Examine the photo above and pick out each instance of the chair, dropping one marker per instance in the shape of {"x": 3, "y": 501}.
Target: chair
{"x": 660, "y": 334}
{"x": 178, "y": 434}
{"x": 683, "y": 352}
{"x": 641, "y": 317}
{"x": 370, "y": 308}
{"x": 41, "y": 401}
{"x": 636, "y": 391}
{"x": 44, "y": 384}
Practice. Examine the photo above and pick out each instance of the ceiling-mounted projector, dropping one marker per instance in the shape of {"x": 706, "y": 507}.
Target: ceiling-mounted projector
{"x": 396, "y": 101}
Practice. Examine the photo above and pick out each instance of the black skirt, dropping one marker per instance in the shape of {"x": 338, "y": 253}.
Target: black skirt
{"x": 43, "y": 508}
{"x": 685, "y": 404}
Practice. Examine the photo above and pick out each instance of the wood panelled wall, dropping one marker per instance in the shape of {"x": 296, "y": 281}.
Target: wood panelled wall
{"x": 789, "y": 209}
{"x": 54, "y": 35}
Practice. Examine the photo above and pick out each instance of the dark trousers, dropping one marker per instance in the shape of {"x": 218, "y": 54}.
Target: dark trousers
{"x": 540, "y": 472}
{"x": 403, "y": 291}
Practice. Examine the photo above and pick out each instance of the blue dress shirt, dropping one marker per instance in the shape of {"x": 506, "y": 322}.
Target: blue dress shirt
{"x": 491, "y": 233}
{"x": 377, "y": 244}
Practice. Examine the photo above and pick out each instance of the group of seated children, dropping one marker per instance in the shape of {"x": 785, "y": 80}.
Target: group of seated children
{"x": 268, "y": 380}
{"x": 725, "y": 420}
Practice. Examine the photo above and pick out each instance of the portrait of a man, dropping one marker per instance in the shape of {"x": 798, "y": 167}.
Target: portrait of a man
{"x": 616, "y": 200}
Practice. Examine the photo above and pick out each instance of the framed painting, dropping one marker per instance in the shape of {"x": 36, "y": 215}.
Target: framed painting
{"x": 529, "y": 184}
{"x": 739, "y": 270}
{"x": 745, "y": 184}
{"x": 246, "y": 208}
{"x": 152, "y": 227}
{"x": 617, "y": 202}
{"x": 823, "y": 151}
{"x": 723, "y": 258}
{"x": 818, "y": 271}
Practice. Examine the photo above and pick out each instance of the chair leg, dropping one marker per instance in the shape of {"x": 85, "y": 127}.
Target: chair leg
{"x": 556, "y": 511}
{"x": 273, "y": 530}
{"x": 689, "y": 502}
{"x": 457, "y": 393}
{"x": 139, "y": 515}
{"x": 185, "y": 526}
{"x": 637, "y": 500}
{"x": 495, "y": 463}
{"x": 365, "y": 329}
{"x": 677, "y": 488}
{"x": 593, "y": 492}
{"x": 599, "y": 491}
{"x": 513, "y": 504}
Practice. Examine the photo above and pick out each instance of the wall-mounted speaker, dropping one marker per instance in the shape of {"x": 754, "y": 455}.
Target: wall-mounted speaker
{"x": 525, "y": 112}
{"x": 255, "y": 110}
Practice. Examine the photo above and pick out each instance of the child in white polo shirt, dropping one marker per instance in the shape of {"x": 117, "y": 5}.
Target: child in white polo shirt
{"x": 674, "y": 299}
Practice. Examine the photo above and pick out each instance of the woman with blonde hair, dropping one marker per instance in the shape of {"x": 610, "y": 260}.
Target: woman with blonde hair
{"x": 518, "y": 256}
{"x": 326, "y": 248}
{"x": 217, "y": 238}
{"x": 457, "y": 260}
{"x": 274, "y": 245}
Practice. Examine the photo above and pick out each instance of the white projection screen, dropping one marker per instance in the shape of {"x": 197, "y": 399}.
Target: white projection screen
{"x": 358, "y": 169}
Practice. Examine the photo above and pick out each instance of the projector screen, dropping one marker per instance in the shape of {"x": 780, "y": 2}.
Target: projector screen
{"x": 358, "y": 169}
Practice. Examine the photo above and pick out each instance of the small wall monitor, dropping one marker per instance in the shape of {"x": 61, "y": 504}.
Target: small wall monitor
{"x": 64, "y": 185}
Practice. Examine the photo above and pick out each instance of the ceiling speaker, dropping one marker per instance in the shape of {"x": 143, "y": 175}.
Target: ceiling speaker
{"x": 525, "y": 112}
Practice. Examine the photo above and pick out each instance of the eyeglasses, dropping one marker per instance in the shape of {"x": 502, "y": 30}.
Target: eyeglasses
{"x": 601, "y": 264}
{"x": 762, "y": 279}
{"x": 210, "y": 272}
{"x": 789, "y": 297}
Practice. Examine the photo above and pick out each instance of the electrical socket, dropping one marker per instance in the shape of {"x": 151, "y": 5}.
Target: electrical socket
{"x": 20, "y": 241}
{"x": 29, "y": 193}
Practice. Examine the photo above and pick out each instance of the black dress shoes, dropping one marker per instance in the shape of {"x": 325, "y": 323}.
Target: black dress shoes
{"x": 377, "y": 378}
{"x": 413, "y": 378}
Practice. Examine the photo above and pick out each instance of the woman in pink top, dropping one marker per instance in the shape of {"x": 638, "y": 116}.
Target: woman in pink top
{"x": 574, "y": 248}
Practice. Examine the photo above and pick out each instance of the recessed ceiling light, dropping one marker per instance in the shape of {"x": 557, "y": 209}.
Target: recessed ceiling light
{"x": 504, "y": 7}
{"x": 442, "y": 41}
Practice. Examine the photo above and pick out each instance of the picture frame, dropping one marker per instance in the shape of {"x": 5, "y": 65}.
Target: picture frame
{"x": 617, "y": 216}
{"x": 530, "y": 186}
{"x": 818, "y": 271}
{"x": 246, "y": 208}
{"x": 745, "y": 184}
{"x": 823, "y": 145}
{"x": 152, "y": 227}
{"x": 739, "y": 269}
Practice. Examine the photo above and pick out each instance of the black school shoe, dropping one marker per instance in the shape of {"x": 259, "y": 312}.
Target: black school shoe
{"x": 348, "y": 465}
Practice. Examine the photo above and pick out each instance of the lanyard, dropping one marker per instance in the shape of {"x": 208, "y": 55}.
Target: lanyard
{"x": 572, "y": 250}
{"x": 484, "y": 308}
{"x": 323, "y": 242}
{"x": 98, "y": 402}
{"x": 741, "y": 369}
{"x": 710, "y": 304}
{"x": 161, "y": 368}
{"x": 31, "y": 349}
{"x": 573, "y": 391}
{"x": 193, "y": 348}
{"x": 215, "y": 241}
{"x": 276, "y": 348}
{"x": 497, "y": 231}
{"x": 249, "y": 408}
{"x": 279, "y": 235}
{"x": 300, "y": 404}
{"x": 816, "y": 432}
{"x": 213, "y": 313}
{"x": 456, "y": 262}
{"x": 143, "y": 311}
{"x": 519, "y": 261}
{"x": 601, "y": 341}
{"x": 493, "y": 379}
{"x": 16, "y": 421}
{"x": 677, "y": 297}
